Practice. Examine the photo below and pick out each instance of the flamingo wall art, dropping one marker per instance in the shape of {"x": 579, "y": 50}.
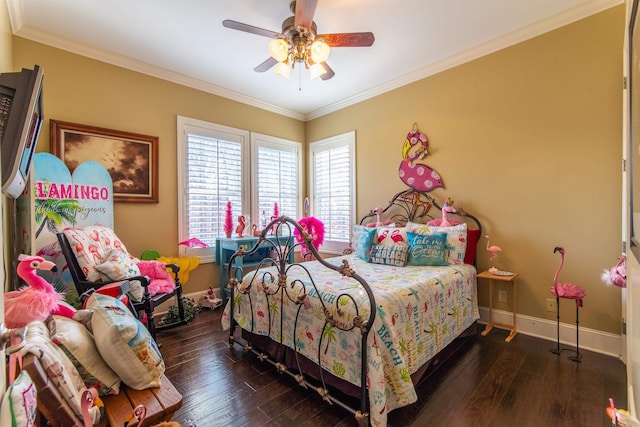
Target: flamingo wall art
{"x": 412, "y": 170}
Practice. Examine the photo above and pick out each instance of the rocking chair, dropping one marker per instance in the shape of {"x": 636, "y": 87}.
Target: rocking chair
{"x": 92, "y": 245}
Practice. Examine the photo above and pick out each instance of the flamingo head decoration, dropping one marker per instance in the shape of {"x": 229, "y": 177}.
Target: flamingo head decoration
{"x": 566, "y": 290}
{"x": 36, "y": 301}
{"x": 27, "y": 271}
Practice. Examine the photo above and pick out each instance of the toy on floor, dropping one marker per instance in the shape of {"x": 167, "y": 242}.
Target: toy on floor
{"x": 209, "y": 300}
{"x": 36, "y": 301}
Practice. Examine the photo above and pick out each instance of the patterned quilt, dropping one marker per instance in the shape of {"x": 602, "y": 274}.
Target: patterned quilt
{"x": 419, "y": 310}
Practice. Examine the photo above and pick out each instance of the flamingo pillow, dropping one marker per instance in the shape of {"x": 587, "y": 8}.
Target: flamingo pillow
{"x": 391, "y": 236}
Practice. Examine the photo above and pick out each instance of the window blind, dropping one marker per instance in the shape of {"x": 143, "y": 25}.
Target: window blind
{"x": 214, "y": 169}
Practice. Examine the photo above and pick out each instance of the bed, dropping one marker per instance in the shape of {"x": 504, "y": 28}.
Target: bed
{"x": 363, "y": 324}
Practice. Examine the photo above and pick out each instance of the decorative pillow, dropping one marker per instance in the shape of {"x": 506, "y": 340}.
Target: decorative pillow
{"x": 117, "y": 265}
{"x": 389, "y": 255}
{"x": 124, "y": 343}
{"x": 456, "y": 245}
{"x": 60, "y": 371}
{"x": 473, "y": 236}
{"x": 362, "y": 240}
{"x": 19, "y": 403}
{"x": 427, "y": 249}
{"x": 90, "y": 244}
{"x": 78, "y": 345}
{"x": 391, "y": 236}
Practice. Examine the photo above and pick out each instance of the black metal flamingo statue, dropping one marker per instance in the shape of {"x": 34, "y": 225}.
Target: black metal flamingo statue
{"x": 568, "y": 291}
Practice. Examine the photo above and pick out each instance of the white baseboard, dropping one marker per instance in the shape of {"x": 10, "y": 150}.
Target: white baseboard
{"x": 590, "y": 339}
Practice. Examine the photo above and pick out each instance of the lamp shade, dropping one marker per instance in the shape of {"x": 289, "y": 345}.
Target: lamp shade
{"x": 316, "y": 70}
{"x": 282, "y": 69}
{"x": 319, "y": 50}
{"x": 278, "y": 49}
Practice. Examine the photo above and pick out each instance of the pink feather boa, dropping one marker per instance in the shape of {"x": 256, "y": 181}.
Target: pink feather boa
{"x": 315, "y": 228}
{"x": 161, "y": 281}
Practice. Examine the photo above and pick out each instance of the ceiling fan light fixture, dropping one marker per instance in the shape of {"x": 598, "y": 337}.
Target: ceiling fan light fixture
{"x": 319, "y": 50}
{"x": 316, "y": 70}
{"x": 282, "y": 69}
{"x": 279, "y": 49}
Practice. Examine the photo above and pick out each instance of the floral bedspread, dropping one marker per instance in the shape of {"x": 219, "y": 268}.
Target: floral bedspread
{"x": 419, "y": 310}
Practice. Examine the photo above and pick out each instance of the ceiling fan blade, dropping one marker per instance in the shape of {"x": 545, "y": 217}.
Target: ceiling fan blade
{"x": 349, "y": 39}
{"x": 235, "y": 25}
{"x": 329, "y": 72}
{"x": 305, "y": 9}
{"x": 270, "y": 62}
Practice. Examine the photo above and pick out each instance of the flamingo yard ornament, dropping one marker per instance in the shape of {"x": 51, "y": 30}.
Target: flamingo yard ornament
{"x": 568, "y": 291}
{"x": 493, "y": 250}
{"x": 36, "y": 301}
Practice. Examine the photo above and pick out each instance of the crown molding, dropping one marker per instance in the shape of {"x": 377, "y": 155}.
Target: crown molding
{"x": 538, "y": 28}
{"x": 567, "y": 17}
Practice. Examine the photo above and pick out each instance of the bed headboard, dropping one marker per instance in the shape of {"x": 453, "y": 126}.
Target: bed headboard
{"x": 416, "y": 206}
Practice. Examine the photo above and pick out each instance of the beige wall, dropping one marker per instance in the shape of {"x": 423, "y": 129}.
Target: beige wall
{"x": 5, "y": 39}
{"x": 81, "y": 90}
{"x": 528, "y": 139}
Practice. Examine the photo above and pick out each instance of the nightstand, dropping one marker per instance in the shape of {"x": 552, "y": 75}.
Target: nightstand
{"x": 226, "y": 247}
{"x": 511, "y": 279}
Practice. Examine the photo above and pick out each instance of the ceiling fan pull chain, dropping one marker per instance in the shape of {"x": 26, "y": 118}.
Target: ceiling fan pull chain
{"x": 299, "y": 79}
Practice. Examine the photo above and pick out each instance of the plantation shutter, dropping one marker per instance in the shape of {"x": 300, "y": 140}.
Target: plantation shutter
{"x": 214, "y": 169}
{"x": 333, "y": 184}
{"x": 277, "y": 183}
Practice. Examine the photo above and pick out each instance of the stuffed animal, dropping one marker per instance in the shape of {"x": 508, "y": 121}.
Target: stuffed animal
{"x": 616, "y": 275}
{"x": 36, "y": 301}
{"x": 161, "y": 281}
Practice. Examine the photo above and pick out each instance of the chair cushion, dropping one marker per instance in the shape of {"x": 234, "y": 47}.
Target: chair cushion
{"x": 91, "y": 246}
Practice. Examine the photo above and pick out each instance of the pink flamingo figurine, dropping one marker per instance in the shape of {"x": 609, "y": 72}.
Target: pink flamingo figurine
{"x": 493, "y": 250}
{"x": 240, "y": 226}
{"x": 36, "y": 301}
{"x": 568, "y": 291}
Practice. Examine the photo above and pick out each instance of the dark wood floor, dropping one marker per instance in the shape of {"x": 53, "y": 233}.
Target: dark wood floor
{"x": 489, "y": 383}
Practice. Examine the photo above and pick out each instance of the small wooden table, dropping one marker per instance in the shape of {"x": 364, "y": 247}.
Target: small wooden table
{"x": 507, "y": 279}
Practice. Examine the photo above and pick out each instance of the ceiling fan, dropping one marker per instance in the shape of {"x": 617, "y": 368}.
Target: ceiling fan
{"x": 299, "y": 42}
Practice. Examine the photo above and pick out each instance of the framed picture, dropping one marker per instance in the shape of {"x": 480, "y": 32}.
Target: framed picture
{"x": 130, "y": 158}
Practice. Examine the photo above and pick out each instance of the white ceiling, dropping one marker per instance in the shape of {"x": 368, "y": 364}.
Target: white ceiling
{"x": 185, "y": 42}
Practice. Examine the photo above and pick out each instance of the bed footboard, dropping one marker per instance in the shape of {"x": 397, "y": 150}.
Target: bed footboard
{"x": 276, "y": 296}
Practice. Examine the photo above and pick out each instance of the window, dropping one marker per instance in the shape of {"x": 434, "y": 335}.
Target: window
{"x": 277, "y": 178}
{"x": 332, "y": 183}
{"x": 217, "y": 164}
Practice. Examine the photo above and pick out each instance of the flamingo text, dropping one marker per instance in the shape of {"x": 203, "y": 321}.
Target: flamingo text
{"x": 52, "y": 190}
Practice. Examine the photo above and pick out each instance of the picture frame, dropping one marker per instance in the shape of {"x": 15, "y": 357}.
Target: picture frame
{"x": 130, "y": 158}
